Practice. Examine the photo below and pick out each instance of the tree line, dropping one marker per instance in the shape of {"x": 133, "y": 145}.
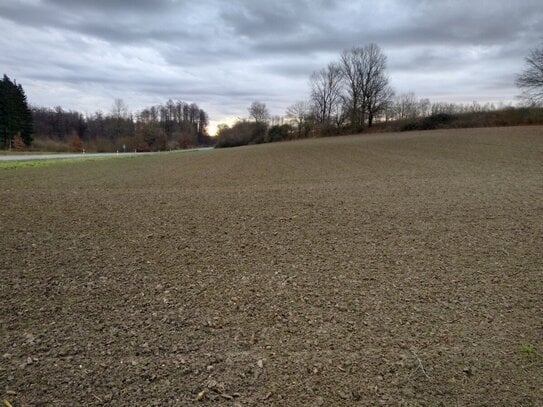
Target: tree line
{"x": 175, "y": 124}
{"x": 350, "y": 94}
{"x": 404, "y": 112}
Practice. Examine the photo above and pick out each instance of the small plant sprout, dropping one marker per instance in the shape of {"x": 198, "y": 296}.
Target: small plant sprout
{"x": 528, "y": 349}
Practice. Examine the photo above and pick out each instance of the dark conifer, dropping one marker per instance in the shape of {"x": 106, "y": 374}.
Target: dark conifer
{"x": 15, "y": 116}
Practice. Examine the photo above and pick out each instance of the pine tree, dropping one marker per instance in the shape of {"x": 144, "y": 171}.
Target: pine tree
{"x": 26, "y": 125}
{"x": 4, "y": 108}
{"x": 15, "y": 115}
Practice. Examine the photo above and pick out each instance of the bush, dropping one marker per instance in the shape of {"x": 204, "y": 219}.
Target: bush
{"x": 50, "y": 145}
{"x": 435, "y": 121}
{"x": 76, "y": 145}
{"x": 280, "y": 132}
{"x": 410, "y": 126}
{"x": 242, "y": 133}
{"x": 129, "y": 143}
{"x": 101, "y": 145}
{"x": 18, "y": 143}
{"x": 326, "y": 130}
{"x": 512, "y": 116}
{"x": 184, "y": 139}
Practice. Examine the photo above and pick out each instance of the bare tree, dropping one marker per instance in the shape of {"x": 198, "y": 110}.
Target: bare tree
{"x": 259, "y": 112}
{"x": 119, "y": 110}
{"x": 179, "y": 111}
{"x": 377, "y": 92}
{"x": 364, "y": 76}
{"x": 350, "y": 63}
{"x": 194, "y": 113}
{"x": 379, "y": 102}
{"x": 406, "y": 106}
{"x": 325, "y": 92}
{"x": 340, "y": 112}
{"x": 423, "y": 107}
{"x": 298, "y": 114}
{"x": 531, "y": 80}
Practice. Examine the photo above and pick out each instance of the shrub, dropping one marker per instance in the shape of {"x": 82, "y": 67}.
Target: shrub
{"x": 436, "y": 121}
{"x": 101, "y": 145}
{"x": 280, "y": 132}
{"x": 129, "y": 142}
{"x": 242, "y": 133}
{"x": 75, "y": 145}
{"x": 18, "y": 143}
{"x": 409, "y": 126}
{"x": 161, "y": 143}
{"x": 48, "y": 144}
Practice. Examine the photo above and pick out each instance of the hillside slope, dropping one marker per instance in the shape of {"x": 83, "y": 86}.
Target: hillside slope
{"x": 379, "y": 269}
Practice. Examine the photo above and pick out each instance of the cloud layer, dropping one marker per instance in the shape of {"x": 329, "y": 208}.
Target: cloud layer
{"x": 223, "y": 55}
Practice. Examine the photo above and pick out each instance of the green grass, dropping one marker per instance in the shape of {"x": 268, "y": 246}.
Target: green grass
{"x": 18, "y": 164}
{"x": 13, "y": 152}
{"x": 33, "y": 163}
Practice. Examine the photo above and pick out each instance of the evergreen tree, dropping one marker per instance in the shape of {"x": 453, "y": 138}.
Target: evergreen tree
{"x": 26, "y": 125}
{"x": 5, "y": 127}
{"x": 15, "y": 116}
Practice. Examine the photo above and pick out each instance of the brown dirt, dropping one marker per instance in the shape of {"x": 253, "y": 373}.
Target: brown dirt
{"x": 392, "y": 269}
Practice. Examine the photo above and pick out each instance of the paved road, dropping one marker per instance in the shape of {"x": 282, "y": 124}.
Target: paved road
{"x": 17, "y": 157}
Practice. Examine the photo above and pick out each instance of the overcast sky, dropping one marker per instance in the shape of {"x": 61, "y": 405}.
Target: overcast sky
{"x": 224, "y": 54}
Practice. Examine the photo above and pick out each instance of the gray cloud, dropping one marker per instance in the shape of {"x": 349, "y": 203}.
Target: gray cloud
{"x": 225, "y": 54}
{"x": 115, "y": 5}
{"x": 299, "y": 70}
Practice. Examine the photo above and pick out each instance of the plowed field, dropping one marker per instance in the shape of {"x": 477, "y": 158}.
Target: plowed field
{"x": 388, "y": 269}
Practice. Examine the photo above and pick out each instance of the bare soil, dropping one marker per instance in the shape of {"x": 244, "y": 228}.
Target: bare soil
{"x": 388, "y": 269}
